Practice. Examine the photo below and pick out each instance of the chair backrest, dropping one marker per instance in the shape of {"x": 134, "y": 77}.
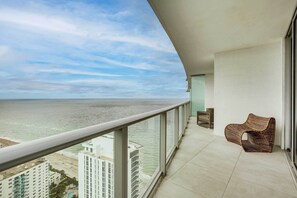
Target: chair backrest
{"x": 258, "y": 122}
{"x": 211, "y": 112}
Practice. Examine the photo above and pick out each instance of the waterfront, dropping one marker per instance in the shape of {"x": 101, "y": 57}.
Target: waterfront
{"x": 24, "y": 120}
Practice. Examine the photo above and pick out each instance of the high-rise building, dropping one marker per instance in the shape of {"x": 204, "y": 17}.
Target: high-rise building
{"x": 96, "y": 169}
{"x": 28, "y": 180}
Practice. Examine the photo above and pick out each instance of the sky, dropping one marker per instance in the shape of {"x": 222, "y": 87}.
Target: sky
{"x": 86, "y": 49}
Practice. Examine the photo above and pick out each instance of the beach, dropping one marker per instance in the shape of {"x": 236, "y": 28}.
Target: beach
{"x": 62, "y": 162}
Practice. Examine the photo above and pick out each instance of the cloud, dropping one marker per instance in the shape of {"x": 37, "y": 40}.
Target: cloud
{"x": 77, "y": 72}
{"x": 105, "y": 82}
{"x": 8, "y": 57}
{"x": 4, "y": 74}
{"x": 39, "y": 21}
{"x": 81, "y": 48}
{"x": 102, "y": 30}
{"x": 128, "y": 65}
{"x": 29, "y": 85}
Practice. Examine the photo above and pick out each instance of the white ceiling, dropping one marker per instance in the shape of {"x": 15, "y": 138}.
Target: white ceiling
{"x": 200, "y": 28}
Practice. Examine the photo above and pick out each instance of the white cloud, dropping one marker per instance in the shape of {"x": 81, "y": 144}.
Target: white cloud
{"x": 44, "y": 39}
{"x": 105, "y": 82}
{"x": 8, "y": 57}
{"x": 4, "y": 50}
{"x": 39, "y": 21}
{"x": 27, "y": 85}
{"x": 128, "y": 65}
{"x": 101, "y": 30}
{"x": 78, "y": 72}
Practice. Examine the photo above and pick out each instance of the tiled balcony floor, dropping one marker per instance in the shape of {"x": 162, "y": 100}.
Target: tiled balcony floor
{"x": 208, "y": 166}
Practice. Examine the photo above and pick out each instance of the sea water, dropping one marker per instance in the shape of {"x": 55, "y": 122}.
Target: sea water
{"x": 25, "y": 120}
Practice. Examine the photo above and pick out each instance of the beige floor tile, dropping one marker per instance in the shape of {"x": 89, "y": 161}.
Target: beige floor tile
{"x": 208, "y": 166}
{"x": 224, "y": 148}
{"x": 215, "y": 161}
{"x": 274, "y": 177}
{"x": 203, "y": 181}
{"x": 239, "y": 188}
{"x": 277, "y": 166}
{"x": 170, "y": 190}
{"x": 189, "y": 149}
{"x": 276, "y": 158}
{"x": 175, "y": 165}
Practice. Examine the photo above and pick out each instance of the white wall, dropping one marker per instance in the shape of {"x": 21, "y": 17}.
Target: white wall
{"x": 248, "y": 81}
{"x": 209, "y": 90}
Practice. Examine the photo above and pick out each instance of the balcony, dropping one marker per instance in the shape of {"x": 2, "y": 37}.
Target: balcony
{"x": 206, "y": 165}
{"x": 199, "y": 164}
{"x": 240, "y": 58}
{"x": 166, "y": 125}
{"x": 245, "y": 53}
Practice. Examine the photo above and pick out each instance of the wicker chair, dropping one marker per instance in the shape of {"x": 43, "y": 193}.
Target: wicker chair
{"x": 205, "y": 118}
{"x": 260, "y": 132}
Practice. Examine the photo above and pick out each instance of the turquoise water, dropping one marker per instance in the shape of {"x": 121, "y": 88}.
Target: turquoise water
{"x": 70, "y": 194}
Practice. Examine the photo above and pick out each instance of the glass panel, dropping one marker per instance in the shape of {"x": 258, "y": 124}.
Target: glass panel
{"x": 294, "y": 135}
{"x": 144, "y": 155}
{"x": 288, "y": 96}
{"x": 197, "y": 93}
{"x": 180, "y": 120}
{"x": 170, "y": 132}
{"x": 84, "y": 170}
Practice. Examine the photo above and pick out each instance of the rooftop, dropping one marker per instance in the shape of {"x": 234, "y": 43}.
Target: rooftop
{"x": 208, "y": 166}
{"x": 18, "y": 169}
{"x": 21, "y": 168}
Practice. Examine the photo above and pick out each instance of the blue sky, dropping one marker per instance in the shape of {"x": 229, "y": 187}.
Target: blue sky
{"x": 86, "y": 49}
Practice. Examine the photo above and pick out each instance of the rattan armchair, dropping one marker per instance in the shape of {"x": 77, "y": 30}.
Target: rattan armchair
{"x": 260, "y": 134}
{"x": 205, "y": 118}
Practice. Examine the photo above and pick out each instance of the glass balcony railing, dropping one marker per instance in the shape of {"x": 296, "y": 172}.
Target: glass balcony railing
{"x": 122, "y": 158}
{"x": 144, "y": 136}
{"x": 170, "y": 141}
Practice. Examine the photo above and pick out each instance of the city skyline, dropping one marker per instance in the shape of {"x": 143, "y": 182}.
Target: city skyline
{"x": 86, "y": 49}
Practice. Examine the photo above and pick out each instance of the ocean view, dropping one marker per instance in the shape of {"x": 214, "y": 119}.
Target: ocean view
{"x": 68, "y": 65}
{"x": 25, "y": 120}
{"x": 148, "y": 99}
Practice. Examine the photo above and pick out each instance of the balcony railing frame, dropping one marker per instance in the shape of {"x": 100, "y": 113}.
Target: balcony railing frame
{"x": 21, "y": 153}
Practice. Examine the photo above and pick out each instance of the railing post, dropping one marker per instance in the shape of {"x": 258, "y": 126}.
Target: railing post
{"x": 185, "y": 117}
{"x": 176, "y": 126}
{"x": 121, "y": 163}
{"x": 163, "y": 135}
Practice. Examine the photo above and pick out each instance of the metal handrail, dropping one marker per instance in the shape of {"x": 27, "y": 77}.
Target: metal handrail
{"x": 18, "y": 154}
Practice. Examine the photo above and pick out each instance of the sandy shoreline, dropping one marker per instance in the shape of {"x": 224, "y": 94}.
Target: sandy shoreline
{"x": 62, "y": 162}
{"x": 59, "y": 160}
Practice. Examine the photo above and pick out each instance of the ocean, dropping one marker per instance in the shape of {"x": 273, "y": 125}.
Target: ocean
{"x": 25, "y": 120}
